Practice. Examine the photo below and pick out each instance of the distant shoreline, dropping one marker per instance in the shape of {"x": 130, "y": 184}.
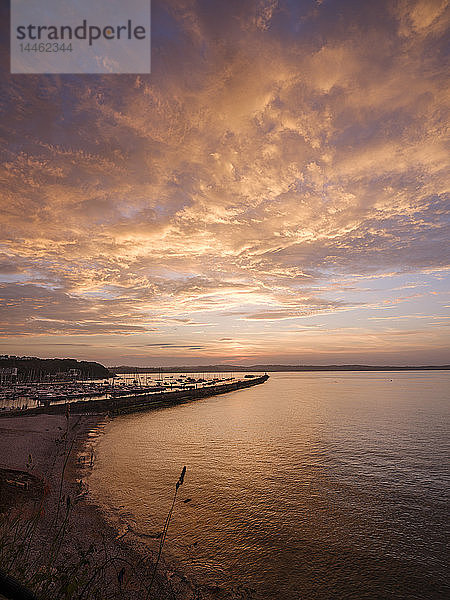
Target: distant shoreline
{"x": 271, "y": 368}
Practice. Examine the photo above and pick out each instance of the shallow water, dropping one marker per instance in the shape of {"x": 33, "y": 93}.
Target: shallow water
{"x": 311, "y": 486}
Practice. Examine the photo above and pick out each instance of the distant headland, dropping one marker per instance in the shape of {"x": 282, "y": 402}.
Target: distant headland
{"x": 33, "y": 368}
{"x": 271, "y": 368}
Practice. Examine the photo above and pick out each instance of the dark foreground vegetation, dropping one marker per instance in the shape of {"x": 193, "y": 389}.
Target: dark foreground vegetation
{"x": 55, "y": 544}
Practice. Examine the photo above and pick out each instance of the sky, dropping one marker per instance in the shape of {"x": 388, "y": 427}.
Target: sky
{"x": 275, "y": 191}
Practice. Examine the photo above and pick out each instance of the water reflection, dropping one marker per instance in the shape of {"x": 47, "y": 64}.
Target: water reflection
{"x": 313, "y": 485}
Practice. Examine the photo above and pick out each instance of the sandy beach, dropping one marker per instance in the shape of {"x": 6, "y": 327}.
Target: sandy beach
{"x": 55, "y": 539}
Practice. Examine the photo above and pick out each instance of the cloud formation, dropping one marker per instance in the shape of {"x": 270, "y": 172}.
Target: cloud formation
{"x": 279, "y": 153}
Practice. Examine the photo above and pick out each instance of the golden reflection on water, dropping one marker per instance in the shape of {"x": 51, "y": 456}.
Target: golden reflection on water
{"x": 309, "y": 486}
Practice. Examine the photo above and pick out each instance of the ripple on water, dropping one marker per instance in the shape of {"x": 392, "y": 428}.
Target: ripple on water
{"x": 313, "y": 485}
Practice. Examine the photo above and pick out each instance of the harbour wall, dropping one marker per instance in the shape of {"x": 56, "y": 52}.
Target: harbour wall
{"x": 129, "y": 404}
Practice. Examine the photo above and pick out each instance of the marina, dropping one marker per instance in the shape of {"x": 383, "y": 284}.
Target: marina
{"x": 115, "y": 397}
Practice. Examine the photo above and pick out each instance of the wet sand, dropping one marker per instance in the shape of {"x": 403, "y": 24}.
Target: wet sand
{"x": 56, "y": 453}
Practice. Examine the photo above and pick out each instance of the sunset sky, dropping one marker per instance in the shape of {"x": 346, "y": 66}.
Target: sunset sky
{"x": 274, "y": 192}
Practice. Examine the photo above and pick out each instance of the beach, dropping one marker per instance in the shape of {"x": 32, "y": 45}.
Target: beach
{"x": 64, "y": 546}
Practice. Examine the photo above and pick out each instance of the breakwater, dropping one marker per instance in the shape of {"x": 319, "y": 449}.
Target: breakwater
{"x": 142, "y": 402}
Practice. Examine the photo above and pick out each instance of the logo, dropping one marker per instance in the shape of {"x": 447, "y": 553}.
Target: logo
{"x": 80, "y": 36}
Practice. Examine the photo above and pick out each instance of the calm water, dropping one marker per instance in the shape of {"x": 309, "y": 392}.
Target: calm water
{"x": 311, "y": 486}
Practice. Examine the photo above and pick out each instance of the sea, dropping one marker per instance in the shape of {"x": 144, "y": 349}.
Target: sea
{"x": 313, "y": 485}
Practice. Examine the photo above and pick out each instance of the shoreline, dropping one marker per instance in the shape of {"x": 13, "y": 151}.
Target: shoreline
{"x": 62, "y": 450}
